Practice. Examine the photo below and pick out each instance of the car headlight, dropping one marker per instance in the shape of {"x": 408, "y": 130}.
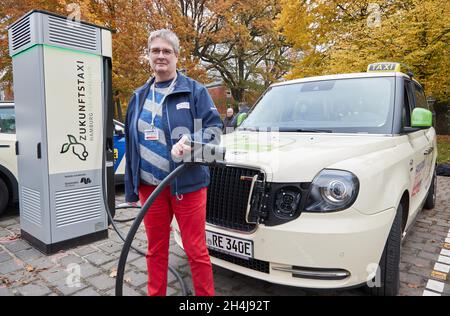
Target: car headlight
{"x": 332, "y": 190}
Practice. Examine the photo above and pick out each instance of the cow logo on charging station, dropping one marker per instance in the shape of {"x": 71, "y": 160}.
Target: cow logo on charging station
{"x": 78, "y": 149}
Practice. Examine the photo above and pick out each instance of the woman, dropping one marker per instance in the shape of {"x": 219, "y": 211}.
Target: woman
{"x": 162, "y": 116}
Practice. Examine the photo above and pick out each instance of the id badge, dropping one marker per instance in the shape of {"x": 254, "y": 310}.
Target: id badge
{"x": 151, "y": 134}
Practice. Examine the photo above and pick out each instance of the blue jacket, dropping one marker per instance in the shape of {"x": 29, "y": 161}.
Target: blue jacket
{"x": 178, "y": 116}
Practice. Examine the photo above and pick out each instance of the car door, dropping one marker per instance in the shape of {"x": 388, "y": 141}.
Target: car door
{"x": 419, "y": 143}
{"x": 429, "y": 153}
{"x": 8, "y": 158}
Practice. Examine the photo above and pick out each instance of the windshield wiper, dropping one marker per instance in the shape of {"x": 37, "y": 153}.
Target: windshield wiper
{"x": 304, "y": 130}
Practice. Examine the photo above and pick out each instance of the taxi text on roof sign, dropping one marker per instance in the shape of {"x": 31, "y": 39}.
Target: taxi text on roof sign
{"x": 384, "y": 67}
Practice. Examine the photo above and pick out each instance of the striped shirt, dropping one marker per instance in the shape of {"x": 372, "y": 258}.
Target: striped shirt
{"x": 155, "y": 155}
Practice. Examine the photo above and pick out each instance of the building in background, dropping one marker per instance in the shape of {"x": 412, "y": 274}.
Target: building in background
{"x": 221, "y": 96}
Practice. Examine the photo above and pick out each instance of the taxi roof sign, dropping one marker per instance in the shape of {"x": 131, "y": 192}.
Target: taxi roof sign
{"x": 384, "y": 66}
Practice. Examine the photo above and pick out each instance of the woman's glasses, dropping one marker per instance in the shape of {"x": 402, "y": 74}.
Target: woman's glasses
{"x": 157, "y": 51}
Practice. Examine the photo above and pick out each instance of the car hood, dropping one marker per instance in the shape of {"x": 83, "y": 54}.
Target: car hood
{"x": 298, "y": 157}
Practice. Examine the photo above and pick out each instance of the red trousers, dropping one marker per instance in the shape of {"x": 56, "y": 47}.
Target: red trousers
{"x": 190, "y": 213}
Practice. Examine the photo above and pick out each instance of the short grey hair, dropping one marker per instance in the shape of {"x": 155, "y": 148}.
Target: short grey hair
{"x": 167, "y": 35}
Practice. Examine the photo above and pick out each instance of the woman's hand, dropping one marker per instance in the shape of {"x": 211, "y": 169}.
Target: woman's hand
{"x": 181, "y": 147}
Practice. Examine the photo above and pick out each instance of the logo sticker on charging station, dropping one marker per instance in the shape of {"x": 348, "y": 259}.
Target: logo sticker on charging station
{"x": 78, "y": 149}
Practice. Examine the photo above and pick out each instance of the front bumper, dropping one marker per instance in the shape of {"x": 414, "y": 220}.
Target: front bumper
{"x": 327, "y": 243}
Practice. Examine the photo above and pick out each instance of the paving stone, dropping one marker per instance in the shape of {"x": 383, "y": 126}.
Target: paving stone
{"x": 87, "y": 292}
{"x": 442, "y": 267}
{"x": 177, "y": 250}
{"x": 110, "y": 247}
{"x": 17, "y": 246}
{"x": 136, "y": 279}
{"x": 444, "y": 259}
{"x": 35, "y": 289}
{"x": 172, "y": 291}
{"x": 108, "y": 267}
{"x": 70, "y": 259}
{"x": 419, "y": 262}
{"x": 446, "y": 290}
{"x": 428, "y": 255}
{"x": 42, "y": 263}
{"x": 176, "y": 261}
{"x": 132, "y": 256}
{"x": 9, "y": 266}
{"x": 84, "y": 251}
{"x": 88, "y": 270}
{"x": 102, "y": 282}
{"x": 99, "y": 258}
{"x": 141, "y": 264}
{"x": 68, "y": 289}
{"x": 29, "y": 254}
{"x": 126, "y": 291}
{"x": 22, "y": 276}
{"x": 4, "y": 256}
{"x": 413, "y": 279}
{"x": 5, "y": 292}
{"x": 54, "y": 274}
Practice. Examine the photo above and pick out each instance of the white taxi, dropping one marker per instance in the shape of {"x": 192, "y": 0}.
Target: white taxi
{"x": 323, "y": 180}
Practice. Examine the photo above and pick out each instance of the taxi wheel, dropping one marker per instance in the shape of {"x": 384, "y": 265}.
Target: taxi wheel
{"x": 4, "y": 196}
{"x": 387, "y": 281}
{"x": 430, "y": 202}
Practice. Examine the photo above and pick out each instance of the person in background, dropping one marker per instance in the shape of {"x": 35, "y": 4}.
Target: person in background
{"x": 242, "y": 114}
{"x": 227, "y": 121}
{"x": 168, "y": 103}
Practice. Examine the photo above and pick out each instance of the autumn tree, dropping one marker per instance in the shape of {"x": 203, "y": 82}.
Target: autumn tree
{"x": 344, "y": 36}
{"x": 10, "y": 11}
{"x": 234, "y": 39}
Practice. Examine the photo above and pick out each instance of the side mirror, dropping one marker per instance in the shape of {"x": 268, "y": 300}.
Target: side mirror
{"x": 421, "y": 118}
{"x": 241, "y": 118}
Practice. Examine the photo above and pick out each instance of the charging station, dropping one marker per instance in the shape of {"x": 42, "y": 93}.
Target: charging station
{"x": 64, "y": 108}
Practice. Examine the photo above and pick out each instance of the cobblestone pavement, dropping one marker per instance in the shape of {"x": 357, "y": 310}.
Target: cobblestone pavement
{"x": 25, "y": 271}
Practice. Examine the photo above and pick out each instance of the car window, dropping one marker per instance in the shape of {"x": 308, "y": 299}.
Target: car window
{"x": 7, "y": 120}
{"x": 406, "y": 112}
{"x": 421, "y": 101}
{"x": 343, "y": 105}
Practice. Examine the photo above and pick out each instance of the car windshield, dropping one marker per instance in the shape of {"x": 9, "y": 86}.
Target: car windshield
{"x": 7, "y": 120}
{"x": 357, "y": 105}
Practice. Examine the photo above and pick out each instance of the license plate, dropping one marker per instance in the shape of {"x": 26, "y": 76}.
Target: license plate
{"x": 231, "y": 245}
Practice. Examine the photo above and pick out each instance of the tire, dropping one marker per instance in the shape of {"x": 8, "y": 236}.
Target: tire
{"x": 430, "y": 202}
{"x": 4, "y": 196}
{"x": 388, "y": 273}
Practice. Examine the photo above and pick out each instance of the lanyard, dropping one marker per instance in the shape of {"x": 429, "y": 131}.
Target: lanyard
{"x": 172, "y": 84}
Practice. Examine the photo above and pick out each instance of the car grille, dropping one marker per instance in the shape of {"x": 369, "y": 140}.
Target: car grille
{"x": 254, "y": 264}
{"x": 228, "y": 197}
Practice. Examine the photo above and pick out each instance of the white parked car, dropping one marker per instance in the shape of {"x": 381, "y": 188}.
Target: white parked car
{"x": 323, "y": 180}
{"x": 8, "y": 159}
